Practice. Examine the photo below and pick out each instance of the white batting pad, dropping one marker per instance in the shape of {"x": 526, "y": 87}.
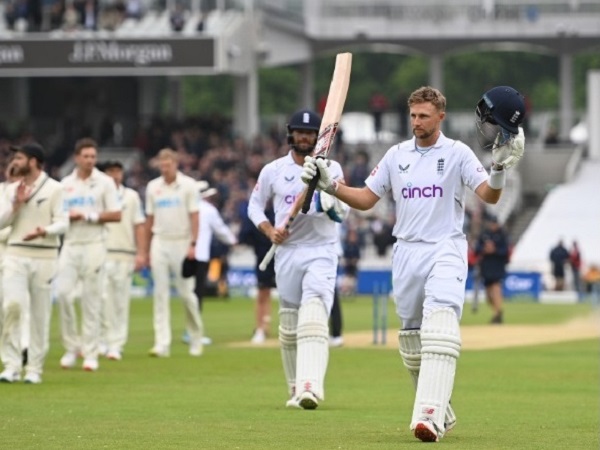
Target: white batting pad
{"x": 440, "y": 342}
{"x": 313, "y": 347}
{"x": 288, "y": 322}
{"x": 410, "y": 350}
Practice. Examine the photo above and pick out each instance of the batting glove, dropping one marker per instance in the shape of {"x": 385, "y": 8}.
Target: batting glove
{"x": 508, "y": 154}
{"x": 335, "y": 209}
{"x": 309, "y": 170}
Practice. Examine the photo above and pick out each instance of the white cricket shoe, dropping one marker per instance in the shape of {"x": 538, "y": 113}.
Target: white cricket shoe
{"x": 114, "y": 355}
{"x": 32, "y": 378}
{"x": 102, "y": 349}
{"x": 293, "y": 403}
{"x": 10, "y": 376}
{"x": 68, "y": 360}
{"x": 259, "y": 337}
{"x": 426, "y": 431}
{"x": 90, "y": 364}
{"x": 159, "y": 352}
{"x": 337, "y": 341}
{"x": 308, "y": 400}
{"x": 206, "y": 340}
{"x": 196, "y": 349}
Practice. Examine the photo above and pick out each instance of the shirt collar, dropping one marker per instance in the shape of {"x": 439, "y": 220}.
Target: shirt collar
{"x": 174, "y": 183}
{"x": 441, "y": 141}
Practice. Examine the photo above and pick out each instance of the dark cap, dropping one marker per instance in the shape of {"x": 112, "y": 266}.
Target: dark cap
{"x": 111, "y": 164}
{"x": 32, "y": 150}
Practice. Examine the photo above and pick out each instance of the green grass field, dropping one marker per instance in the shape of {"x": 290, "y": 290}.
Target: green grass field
{"x": 541, "y": 397}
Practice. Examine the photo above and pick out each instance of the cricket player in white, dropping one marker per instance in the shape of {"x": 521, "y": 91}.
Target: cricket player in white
{"x": 305, "y": 263}
{"x": 92, "y": 200}
{"x": 125, "y": 243}
{"x": 427, "y": 176}
{"x": 35, "y": 209}
{"x": 172, "y": 225}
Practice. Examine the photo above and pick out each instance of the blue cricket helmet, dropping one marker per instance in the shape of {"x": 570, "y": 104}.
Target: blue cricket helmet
{"x": 503, "y": 106}
{"x": 304, "y": 119}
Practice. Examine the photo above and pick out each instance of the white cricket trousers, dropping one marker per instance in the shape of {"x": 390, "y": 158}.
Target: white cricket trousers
{"x": 26, "y": 284}
{"x": 83, "y": 262}
{"x": 166, "y": 258}
{"x": 115, "y": 302}
{"x": 24, "y": 307}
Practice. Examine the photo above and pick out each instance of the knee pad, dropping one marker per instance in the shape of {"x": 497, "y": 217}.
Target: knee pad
{"x": 288, "y": 325}
{"x": 410, "y": 351}
{"x": 313, "y": 320}
{"x": 440, "y": 334}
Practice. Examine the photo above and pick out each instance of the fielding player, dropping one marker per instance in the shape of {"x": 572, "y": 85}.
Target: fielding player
{"x": 427, "y": 176}
{"x": 305, "y": 262}
{"x": 34, "y": 207}
{"x": 126, "y": 253}
{"x": 172, "y": 226}
{"x": 92, "y": 200}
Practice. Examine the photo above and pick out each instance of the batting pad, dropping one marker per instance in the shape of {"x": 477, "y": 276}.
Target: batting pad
{"x": 313, "y": 348}
{"x": 440, "y": 341}
{"x": 410, "y": 351}
{"x": 288, "y": 322}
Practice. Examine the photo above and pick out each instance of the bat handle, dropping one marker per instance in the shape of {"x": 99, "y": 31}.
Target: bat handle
{"x": 268, "y": 257}
{"x": 310, "y": 192}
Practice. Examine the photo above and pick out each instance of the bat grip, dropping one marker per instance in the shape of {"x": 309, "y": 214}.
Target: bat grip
{"x": 268, "y": 257}
{"x": 310, "y": 191}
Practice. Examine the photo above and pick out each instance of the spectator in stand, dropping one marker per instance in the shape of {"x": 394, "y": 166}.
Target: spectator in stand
{"x": 378, "y": 105}
{"x": 575, "y": 263}
{"x": 492, "y": 249}
{"x": 351, "y": 246}
{"x": 360, "y": 169}
{"x": 178, "y": 17}
{"x": 559, "y": 256}
{"x": 402, "y": 108}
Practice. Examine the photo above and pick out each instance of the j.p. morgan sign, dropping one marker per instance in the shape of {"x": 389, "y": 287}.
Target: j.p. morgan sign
{"x": 140, "y": 56}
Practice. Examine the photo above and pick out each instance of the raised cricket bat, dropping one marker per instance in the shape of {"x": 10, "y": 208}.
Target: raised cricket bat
{"x": 338, "y": 90}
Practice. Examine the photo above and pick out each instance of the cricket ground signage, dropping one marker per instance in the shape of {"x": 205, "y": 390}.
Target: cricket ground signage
{"x": 105, "y": 57}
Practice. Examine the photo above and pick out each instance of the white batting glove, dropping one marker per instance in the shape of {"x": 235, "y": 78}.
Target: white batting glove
{"x": 309, "y": 170}
{"x": 334, "y": 208}
{"x": 508, "y": 154}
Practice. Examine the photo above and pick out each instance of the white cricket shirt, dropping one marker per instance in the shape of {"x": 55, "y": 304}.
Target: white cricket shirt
{"x": 280, "y": 180}
{"x": 428, "y": 187}
{"x": 121, "y": 235}
{"x": 97, "y": 193}
{"x": 171, "y": 206}
{"x": 211, "y": 223}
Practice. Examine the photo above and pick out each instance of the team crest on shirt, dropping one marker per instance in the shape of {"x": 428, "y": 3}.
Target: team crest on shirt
{"x": 374, "y": 171}
{"x": 403, "y": 169}
{"x": 440, "y": 166}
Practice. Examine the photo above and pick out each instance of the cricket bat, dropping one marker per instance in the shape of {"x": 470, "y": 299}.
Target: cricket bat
{"x": 338, "y": 90}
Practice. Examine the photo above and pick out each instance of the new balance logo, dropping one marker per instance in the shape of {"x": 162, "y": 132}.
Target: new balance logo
{"x": 459, "y": 279}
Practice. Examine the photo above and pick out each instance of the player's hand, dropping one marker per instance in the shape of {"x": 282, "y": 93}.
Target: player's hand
{"x": 75, "y": 215}
{"x": 334, "y": 208}
{"x": 309, "y": 171}
{"x": 508, "y": 154}
{"x": 141, "y": 261}
{"x": 278, "y": 235}
{"x": 21, "y": 194}
{"x": 38, "y": 232}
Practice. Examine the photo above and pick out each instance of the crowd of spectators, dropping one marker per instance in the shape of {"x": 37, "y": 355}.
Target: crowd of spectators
{"x": 209, "y": 150}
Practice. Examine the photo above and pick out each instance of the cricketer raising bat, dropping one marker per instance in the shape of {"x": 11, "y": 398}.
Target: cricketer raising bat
{"x": 338, "y": 90}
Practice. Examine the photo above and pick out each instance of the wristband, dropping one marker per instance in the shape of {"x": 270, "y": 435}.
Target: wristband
{"x": 332, "y": 188}
{"x": 92, "y": 217}
{"x": 497, "y": 179}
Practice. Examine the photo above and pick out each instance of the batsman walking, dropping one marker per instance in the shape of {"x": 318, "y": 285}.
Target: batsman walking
{"x": 427, "y": 177}
{"x": 305, "y": 263}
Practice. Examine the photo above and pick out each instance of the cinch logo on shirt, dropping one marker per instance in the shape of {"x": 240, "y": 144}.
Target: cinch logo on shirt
{"x": 422, "y": 192}
{"x": 290, "y": 199}
{"x": 79, "y": 202}
{"x": 168, "y": 203}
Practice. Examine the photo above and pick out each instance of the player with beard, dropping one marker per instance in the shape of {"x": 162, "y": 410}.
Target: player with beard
{"x": 305, "y": 263}
{"x": 34, "y": 208}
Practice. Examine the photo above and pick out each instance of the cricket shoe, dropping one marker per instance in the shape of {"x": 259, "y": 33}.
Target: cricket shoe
{"x": 336, "y": 341}
{"x": 32, "y": 378}
{"x": 114, "y": 355}
{"x": 308, "y": 400}
{"x": 90, "y": 364}
{"x": 196, "y": 349}
{"x": 159, "y": 352}
{"x": 10, "y": 376}
{"x": 68, "y": 360}
{"x": 426, "y": 431}
{"x": 293, "y": 403}
{"x": 259, "y": 337}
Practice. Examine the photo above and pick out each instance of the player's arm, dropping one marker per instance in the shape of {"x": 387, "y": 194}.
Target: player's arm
{"x": 257, "y": 205}
{"x": 357, "y": 198}
{"x": 112, "y": 206}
